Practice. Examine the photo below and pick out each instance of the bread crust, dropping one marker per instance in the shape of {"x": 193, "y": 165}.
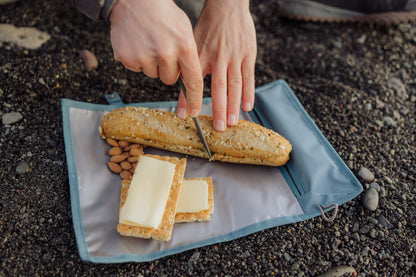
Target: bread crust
{"x": 247, "y": 142}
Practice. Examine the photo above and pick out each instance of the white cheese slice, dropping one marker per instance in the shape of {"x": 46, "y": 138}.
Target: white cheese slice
{"x": 148, "y": 193}
{"x": 193, "y": 197}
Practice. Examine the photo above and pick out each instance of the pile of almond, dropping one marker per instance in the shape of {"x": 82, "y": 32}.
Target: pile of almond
{"x": 124, "y": 157}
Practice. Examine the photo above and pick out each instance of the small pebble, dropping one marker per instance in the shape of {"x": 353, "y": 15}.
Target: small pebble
{"x": 384, "y": 222}
{"x": 89, "y": 59}
{"x": 339, "y": 271}
{"x": 10, "y": 118}
{"x": 194, "y": 258}
{"x": 383, "y": 192}
{"x": 286, "y": 256}
{"x": 375, "y": 186}
{"x": 366, "y": 175}
{"x": 22, "y": 168}
{"x": 398, "y": 86}
{"x": 356, "y": 237}
{"x": 373, "y": 233}
{"x": 389, "y": 121}
{"x": 370, "y": 199}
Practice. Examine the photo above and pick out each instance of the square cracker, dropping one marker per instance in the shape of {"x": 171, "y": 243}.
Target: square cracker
{"x": 164, "y": 231}
{"x": 204, "y": 215}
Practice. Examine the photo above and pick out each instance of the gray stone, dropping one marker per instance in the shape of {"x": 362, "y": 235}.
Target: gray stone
{"x": 389, "y": 121}
{"x": 384, "y": 222}
{"x": 370, "y": 199}
{"x": 26, "y": 37}
{"x": 286, "y": 256}
{"x": 373, "y": 233}
{"x": 194, "y": 258}
{"x": 375, "y": 186}
{"x": 383, "y": 192}
{"x": 366, "y": 175}
{"x": 380, "y": 104}
{"x": 22, "y": 168}
{"x": 10, "y": 118}
{"x": 398, "y": 86}
{"x": 339, "y": 271}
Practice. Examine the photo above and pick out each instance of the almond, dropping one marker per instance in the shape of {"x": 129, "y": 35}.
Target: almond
{"x": 118, "y": 158}
{"x": 114, "y": 167}
{"x": 125, "y": 175}
{"x": 115, "y": 151}
{"x": 127, "y": 148}
{"x": 123, "y": 143}
{"x": 132, "y": 159}
{"x": 125, "y": 165}
{"x": 112, "y": 142}
{"x": 136, "y": 152}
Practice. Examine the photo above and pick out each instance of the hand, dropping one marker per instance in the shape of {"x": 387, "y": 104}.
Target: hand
{"x": 156, "y": 37}
{"x": 226, "y": 40}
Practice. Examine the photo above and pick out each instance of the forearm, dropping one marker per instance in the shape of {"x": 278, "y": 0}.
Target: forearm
{"x": 94, "y": 9}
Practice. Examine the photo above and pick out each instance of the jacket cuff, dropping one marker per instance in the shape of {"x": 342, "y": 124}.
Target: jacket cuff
{"x": 106, "y": 9}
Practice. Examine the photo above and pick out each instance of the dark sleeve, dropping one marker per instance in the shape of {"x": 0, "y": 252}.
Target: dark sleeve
{"x": 94, "y": 9}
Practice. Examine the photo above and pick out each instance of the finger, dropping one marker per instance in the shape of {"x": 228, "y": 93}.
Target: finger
{"x": 192, "y": 77}
{"x": 219, "y": 96}
{"x": 137, "y": 68}
{"x": 205, "y": 64}
{"x": 149, "y": 67}
{"x": 181, "y": 110}
{"x": 247, "y": 69}
{"x": 169, "y": 72}
{"x": 234, "y": 93}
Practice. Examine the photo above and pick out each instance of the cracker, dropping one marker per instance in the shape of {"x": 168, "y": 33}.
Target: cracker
{"x": 164, "y": 231}
{"x": 204, "y": 215}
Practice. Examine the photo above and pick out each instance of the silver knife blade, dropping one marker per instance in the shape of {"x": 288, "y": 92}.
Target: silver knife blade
{"x": 196, "y": 122}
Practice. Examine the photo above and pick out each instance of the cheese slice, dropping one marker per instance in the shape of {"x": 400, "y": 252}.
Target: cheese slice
{"x": 193, "y": 197}
{"x": 148, "y": 193}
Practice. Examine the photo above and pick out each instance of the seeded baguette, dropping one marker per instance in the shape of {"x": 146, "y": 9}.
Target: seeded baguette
{"x": 247, "y": 143}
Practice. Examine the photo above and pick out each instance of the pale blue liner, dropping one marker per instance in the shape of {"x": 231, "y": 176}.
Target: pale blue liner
{"x": 315, "y": 173}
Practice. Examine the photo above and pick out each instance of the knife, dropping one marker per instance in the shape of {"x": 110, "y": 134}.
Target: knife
{"x": 196, "y": 122}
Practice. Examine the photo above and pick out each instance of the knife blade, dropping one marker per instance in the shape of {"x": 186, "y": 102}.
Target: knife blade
{"x": 196, "y": 122}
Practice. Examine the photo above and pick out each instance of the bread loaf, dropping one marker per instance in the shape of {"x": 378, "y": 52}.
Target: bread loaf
{"x": 247, "y": 142}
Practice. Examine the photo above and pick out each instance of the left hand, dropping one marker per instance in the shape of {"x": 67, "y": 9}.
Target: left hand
{"x": 227, "y": 48}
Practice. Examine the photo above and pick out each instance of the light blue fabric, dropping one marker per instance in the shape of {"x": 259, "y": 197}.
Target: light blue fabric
{"x": 319, "y": 174}
{"x": 315, "y": 173}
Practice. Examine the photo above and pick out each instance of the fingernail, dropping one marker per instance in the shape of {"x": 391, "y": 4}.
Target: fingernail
{"x": 232, "y": 119}
{"x": 219, "y": 125}
{"x": 181, "y": 113}
{"x": 247, "y": 106}
{"x": 194, "y": 112}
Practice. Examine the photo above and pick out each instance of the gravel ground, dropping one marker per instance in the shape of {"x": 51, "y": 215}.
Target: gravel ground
{"x": 356, "y": 81}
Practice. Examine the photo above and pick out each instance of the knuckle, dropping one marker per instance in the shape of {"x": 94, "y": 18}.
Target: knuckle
{"x": 233, "y": 106}
{"x": 235, "y": 83}
{"x": 219, "y": 109}
{"x": 219, "y": 83}
{"x": 195, "y": 85}
{"x": 168, "y": 79}
{"x": 167, "y": 56}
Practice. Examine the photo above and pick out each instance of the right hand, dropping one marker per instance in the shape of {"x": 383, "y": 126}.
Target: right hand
{"x": 156, "y": 37}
